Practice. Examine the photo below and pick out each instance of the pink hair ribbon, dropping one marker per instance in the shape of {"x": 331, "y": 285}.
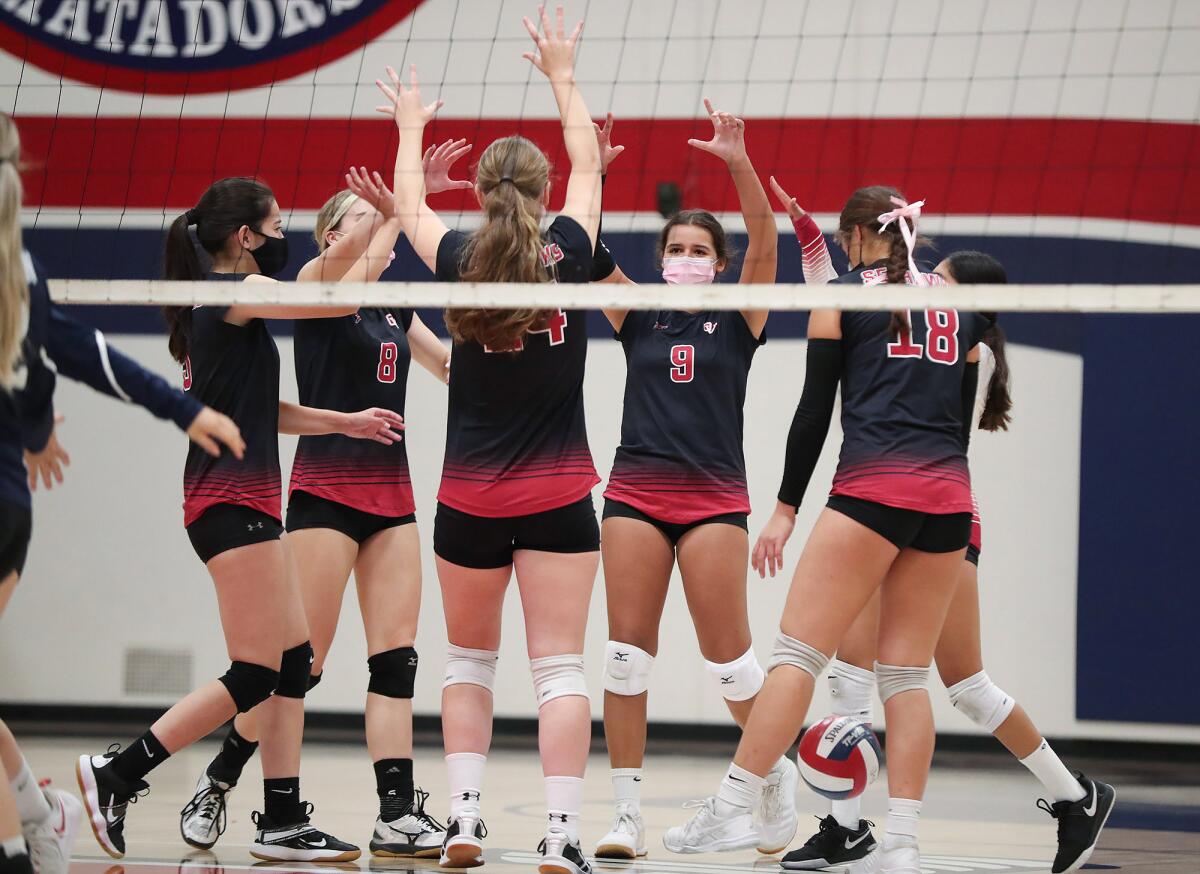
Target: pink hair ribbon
{"x": 912, "y": 212}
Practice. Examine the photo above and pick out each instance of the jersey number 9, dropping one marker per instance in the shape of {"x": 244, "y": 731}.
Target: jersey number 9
{"x": 683, "y": 363}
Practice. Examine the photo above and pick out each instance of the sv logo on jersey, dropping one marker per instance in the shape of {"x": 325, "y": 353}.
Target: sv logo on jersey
{"x": 710, "y": 327}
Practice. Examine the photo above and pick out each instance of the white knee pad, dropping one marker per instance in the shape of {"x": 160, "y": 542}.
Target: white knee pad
{"x": 626, "y": 668}
{"x": 740, "y": 679}
{"x": 852, "y": 689}
{"x": 557, "y": 676}
{"x": 893, "y": 680}
{"x": 798, "y": 654}
{"x": 470, "y": 667}
{"x": 982, "y": 701}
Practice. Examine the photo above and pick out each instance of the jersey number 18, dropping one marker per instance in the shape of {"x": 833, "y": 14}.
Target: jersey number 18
{"x": 941, "y": 339}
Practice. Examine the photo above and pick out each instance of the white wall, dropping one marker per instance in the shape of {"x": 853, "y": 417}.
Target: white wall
{"x": 111, "y": 566}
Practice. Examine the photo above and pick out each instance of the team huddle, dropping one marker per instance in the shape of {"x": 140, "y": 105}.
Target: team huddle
{"x": 886, "y": 582}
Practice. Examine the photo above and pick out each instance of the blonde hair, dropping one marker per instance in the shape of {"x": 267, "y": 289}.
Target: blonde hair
{"x": 14, "y": 284}
{"x": 331, "y": 215}
{"x": 512, "y": 178}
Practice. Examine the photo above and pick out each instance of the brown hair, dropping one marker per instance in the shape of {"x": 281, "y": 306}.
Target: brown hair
{"x": 14, "y": 284}
{"x": 862, "y": 210}
{"x": 699, "y": 218}
{"x": 979, "y": 268}
{"x": 331, "y": 216}
{"x": 223, "y": 208}
{"x": 512, "y": 178}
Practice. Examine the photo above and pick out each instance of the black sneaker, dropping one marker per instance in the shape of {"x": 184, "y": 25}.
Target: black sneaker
{"x": 1080, "y": 823}
{"x": 298, "y": 842}
{"x": 106, "y": 796}
{"x": 463, "y": 846}
{"x": 833, "y": 844}
{"x": 561, "y": 855}
{"x": 413, "y": 833}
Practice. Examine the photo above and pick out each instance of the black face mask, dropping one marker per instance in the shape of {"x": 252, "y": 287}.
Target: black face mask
{"x": 271, "y": 256}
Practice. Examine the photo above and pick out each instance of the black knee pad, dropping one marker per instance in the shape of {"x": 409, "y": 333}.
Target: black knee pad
{"x": 294, "y": 671}
{"x": 393, "y": 672}
{"x": 249, "y": 684}
{"x": 313, "y": 679}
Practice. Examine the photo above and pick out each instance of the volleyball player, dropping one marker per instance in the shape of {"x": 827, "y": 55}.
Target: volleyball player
{"x": 517, "y": 479}
{"x": 38, "y": 825}
{"x": 232, "y": 515}
{"x": 898, "y": 521}
{"x": 677, "y": 491}
{"x": 350, "y": 508}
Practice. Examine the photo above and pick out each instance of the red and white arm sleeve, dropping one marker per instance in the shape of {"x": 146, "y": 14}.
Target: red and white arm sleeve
{"x": 814, "y": 252}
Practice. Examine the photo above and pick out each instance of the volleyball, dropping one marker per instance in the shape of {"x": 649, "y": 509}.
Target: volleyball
{"x": 839, "y": 757}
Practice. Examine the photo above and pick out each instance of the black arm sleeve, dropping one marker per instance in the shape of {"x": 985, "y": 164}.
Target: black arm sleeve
{"x": 603, "y": 263}
{"x": 969, "y": 386}
{"x": 810, "y": 425}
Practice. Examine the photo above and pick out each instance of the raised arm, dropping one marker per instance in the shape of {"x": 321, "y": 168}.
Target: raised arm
{"x": 605, "y": 269}
{"x": 555, "y": 58}
{"x": 814, "y": 251}
{"x": 729, "y": 144}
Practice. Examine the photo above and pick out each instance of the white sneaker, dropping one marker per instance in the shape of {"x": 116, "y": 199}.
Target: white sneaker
{"x": 202, "y": 820}
{"x": 463, "y": 846}
{"x": 902, "y": 859}
{"x": 627, "y": 839}
{"x": 777, "y": 816}
{"x": 416, "y": 833}
{"x": 50, "y": 840}
{"x": 561, "y": 855}
{"x": 706, "y": 832}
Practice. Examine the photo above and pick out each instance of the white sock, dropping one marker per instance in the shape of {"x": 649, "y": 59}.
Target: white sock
{"x": 13, "y": 847}
{"x": 903, "y": 815}
{"x": 739, "y": 792}
{"x": 465, "y": 774}
{"x": 564, "y": 797}
{"x": 1045, "y": 764}
{"x": 627, "y": 787}
{"x": 848, "y": 812}
{"x": 31, "y": 801}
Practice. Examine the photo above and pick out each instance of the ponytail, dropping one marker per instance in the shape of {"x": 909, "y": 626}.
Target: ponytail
{"x": 180, "y": 262}
{"x": 998, "y": 405}
{"x": 897, "y": 272}
{"x": 14, "y": 284}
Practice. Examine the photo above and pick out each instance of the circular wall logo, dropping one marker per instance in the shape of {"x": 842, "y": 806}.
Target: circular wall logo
{"x": 190, "y": 46}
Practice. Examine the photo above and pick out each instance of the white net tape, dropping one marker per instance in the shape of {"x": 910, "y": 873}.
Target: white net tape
{"x": 1001, "y": 298}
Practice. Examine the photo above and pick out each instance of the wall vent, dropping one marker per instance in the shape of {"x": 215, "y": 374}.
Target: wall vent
{"x": 158, "y": 671}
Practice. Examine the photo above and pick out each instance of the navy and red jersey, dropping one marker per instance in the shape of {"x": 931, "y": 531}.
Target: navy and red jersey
{"x": 235, "y": 370}
{"x": 55, "y": 342}
{"x": 902, "y": 415}
{"x": 516, "y": 441}
{"x": 347, "y": 364}
{"x": 680, "y": 458}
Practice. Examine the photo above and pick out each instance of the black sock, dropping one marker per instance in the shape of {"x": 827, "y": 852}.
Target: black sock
{"x": 281, "y": 800}
{"x": 394, "y": 785}
{"x": 19, "y": 862}
{"x": 235, "y": 752}
{"x": 139, "y": 758}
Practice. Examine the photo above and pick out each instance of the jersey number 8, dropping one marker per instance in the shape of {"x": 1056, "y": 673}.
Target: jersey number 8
{"x": 941, "y": 339}
{"x": 388, "y": 353}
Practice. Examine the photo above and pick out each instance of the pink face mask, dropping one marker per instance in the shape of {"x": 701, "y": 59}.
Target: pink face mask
{"x": 689, "y": 271}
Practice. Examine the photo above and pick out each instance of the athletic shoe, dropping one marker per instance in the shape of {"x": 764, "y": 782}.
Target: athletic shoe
{"x": 463, "y": 846}
{"x": 50, "y": 840}
{"x": 777, "y": 817}
{"x": 561, "y": 855}
{"x": 297, "y": 842}
{"x": 707, "y": 832}
{"x": 1080, "y": 823}
{"x": 833, "y": 844}
{"x": 627, "y": 839}
{"x": 106, "y": 797}
{"x": 414, "y": 833}
{"x": 903, "y": 858}
{"x": 202, "y": 820}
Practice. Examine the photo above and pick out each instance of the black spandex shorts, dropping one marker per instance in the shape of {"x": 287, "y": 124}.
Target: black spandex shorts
{"x": 973, "y": 554}
{"x": 908, "y": 529}
{"x": 16, "y": 526}
{"x": 671, "y": 530}
{"x": 484, "y": 542}
{"x": 223, "y": 527}
{"x": 307, "y": 510}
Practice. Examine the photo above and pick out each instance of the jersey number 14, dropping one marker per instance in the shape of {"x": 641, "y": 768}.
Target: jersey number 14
{"x": 941, "y": 339}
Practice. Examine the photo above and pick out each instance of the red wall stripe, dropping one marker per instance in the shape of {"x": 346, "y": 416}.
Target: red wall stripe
{"x": 1146, "y": 171}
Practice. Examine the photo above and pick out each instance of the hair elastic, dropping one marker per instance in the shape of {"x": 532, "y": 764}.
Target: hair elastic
{"x": 191, "y": 217}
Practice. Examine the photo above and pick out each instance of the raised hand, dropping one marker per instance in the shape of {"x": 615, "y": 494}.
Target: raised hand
{"x": 404, "y": 104}
{"x": 555, "y": 54}
{"x": 372, "y": 189}
{"x": 794, "y": 210}
{"x": 382, "y": 426}
{"x": 437, "y": 163}
{"x": 608, "y": 152}
{"x": 728, "y": 140}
